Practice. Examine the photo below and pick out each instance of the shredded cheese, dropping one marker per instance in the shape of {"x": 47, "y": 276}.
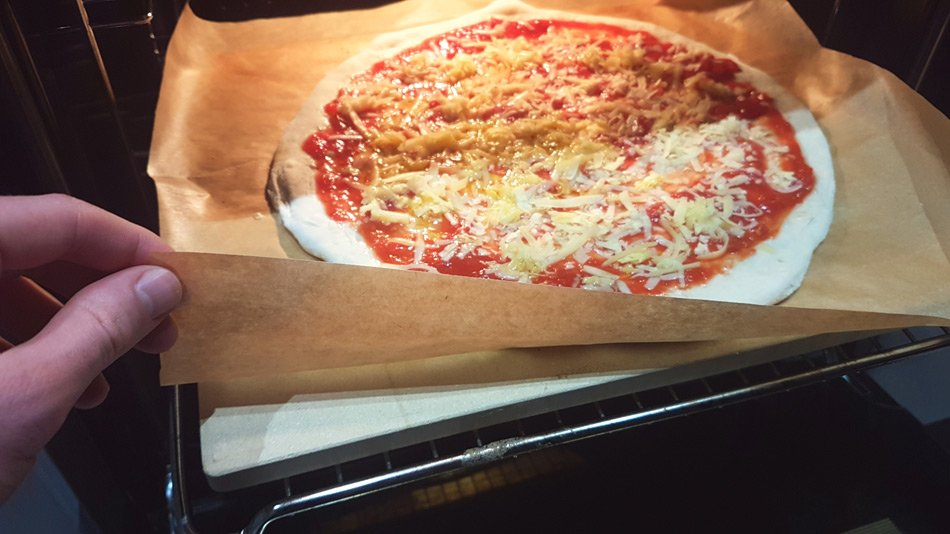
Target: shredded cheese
{"x": 567, "y": 148}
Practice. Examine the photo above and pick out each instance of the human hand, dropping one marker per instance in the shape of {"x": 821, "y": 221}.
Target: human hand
{"x": 55, "y": 354}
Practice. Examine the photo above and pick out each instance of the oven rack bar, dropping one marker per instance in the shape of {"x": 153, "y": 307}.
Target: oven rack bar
{"x": 676, "y": 400}
{"x": 510, "y": 447}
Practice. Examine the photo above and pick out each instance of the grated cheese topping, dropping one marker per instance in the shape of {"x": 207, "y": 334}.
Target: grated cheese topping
{"x": 560, "y": 154}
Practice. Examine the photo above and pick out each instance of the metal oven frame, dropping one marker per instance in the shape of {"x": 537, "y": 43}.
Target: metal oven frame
{"x": 626, "y": 411}
{"x": 114, "y": 112}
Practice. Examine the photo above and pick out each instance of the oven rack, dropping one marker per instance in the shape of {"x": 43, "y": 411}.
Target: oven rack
{"x": 194, "y": 506}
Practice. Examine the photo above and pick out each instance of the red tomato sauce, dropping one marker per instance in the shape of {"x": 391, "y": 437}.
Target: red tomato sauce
{"x": 335, "y": 149}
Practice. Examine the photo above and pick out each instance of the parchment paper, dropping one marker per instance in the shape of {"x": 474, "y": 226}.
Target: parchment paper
{"x": 230, "y": 89}
{"x": 344, "y": 315}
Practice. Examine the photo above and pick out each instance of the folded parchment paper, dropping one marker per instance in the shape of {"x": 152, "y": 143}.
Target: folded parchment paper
{"x": 230, "y": 89}
{"x": 342, "y": 315}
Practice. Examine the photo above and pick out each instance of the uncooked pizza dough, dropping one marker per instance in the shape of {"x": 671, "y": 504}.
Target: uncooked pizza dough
{"x": 549, "y": 147}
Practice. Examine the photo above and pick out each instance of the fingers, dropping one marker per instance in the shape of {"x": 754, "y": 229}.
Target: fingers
{"x": 43, "y": 378}
{"x": 62, "y": 278}
{"x": 161, "y": 338}
{"x": 49, "y": 369}
{"x": 100, "y": 323}
{"x": 71, "y": 230}
{"x": 27, "y": 308}
{"x": 35, "y": 308}
{"x": 94, "y": 394}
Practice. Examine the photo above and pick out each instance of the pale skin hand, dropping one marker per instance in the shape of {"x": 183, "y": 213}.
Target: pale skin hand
{"x": 55, "y": 354}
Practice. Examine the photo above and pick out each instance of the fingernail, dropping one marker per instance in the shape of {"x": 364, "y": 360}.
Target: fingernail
{"x": 159, "y": 290}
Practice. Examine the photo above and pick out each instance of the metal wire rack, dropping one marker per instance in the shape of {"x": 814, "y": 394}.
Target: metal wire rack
{"x": 129, "y": 65}
{"x": 189, "y": 497}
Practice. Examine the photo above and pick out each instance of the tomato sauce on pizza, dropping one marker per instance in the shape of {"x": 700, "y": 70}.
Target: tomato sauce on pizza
{"x": 559, "y": 152}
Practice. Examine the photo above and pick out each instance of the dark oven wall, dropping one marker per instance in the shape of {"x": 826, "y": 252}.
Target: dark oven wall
{"x": 79, "y": 88}
{"x": 908, "y": 38}
{"x": 76, "y": 118}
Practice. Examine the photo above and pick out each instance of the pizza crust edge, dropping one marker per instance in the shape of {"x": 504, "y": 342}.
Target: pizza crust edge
{"x": 773, "y": 272}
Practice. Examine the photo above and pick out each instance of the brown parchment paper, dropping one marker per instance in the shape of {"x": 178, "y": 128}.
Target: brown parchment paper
{"x": 229, "y": 90}
{"x": 344, "y": 315}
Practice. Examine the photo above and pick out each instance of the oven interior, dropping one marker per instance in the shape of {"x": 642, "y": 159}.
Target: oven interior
{"x": 808, "y": 443}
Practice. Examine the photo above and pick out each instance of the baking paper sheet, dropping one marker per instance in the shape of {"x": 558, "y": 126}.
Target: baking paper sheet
{"x": 301, "y": 315}
{"x": 230, "y": 89}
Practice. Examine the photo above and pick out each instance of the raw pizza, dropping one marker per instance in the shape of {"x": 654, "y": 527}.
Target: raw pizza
{"x": 549, "y": 148}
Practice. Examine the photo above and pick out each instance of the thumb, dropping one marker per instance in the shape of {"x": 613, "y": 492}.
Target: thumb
{"x": 41, "y": 379}
{"x": 99, "y": 324}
